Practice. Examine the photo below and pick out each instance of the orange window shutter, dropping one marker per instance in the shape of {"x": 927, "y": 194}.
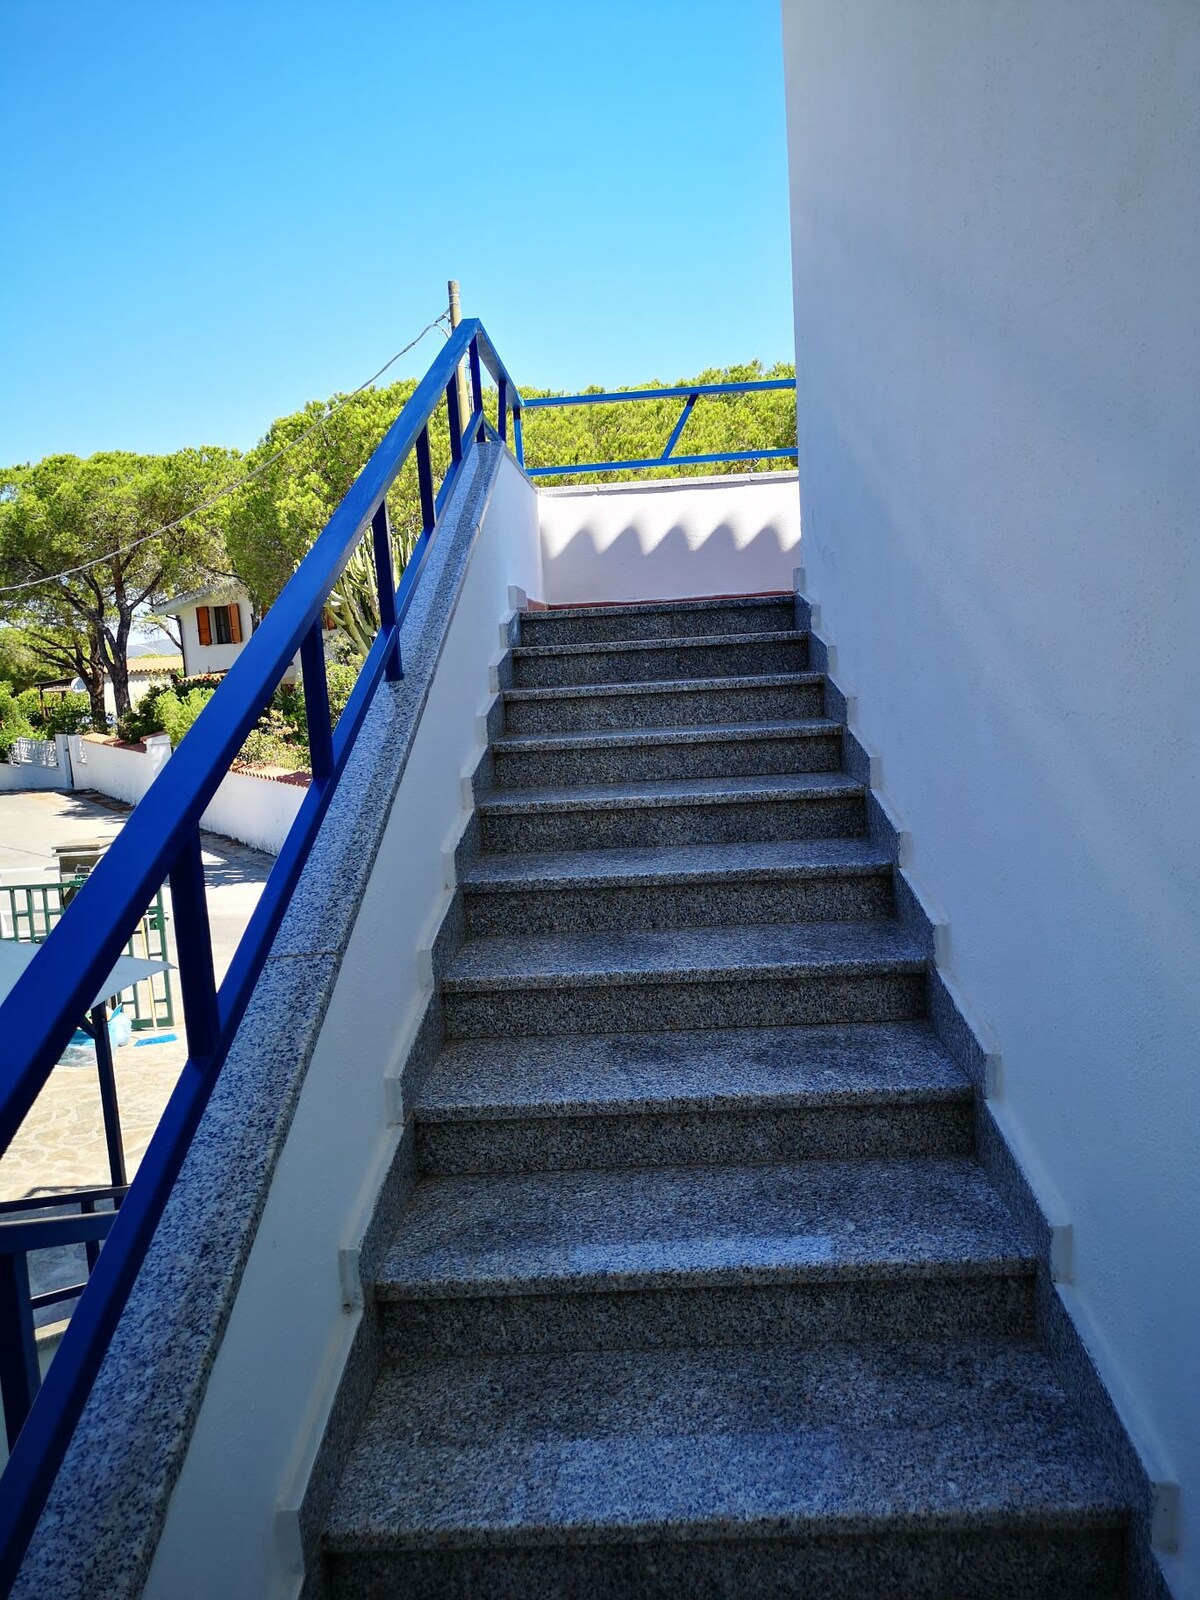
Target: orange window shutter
{"x": 235, "y": 623}
{"x": 204, "y": 624}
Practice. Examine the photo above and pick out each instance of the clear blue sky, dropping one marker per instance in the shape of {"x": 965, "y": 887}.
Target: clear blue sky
{"x": 215, "y": 211}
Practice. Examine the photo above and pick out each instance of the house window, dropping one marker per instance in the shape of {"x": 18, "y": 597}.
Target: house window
{"x": 219, "y": 624}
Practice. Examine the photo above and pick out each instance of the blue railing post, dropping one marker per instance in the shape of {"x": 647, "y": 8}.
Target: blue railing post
{"x": 193, "y": 940}
{"x": 518, "y": 438}
{"x": 109, "y": 1110}
{"x": 385, "y": 582}
{"x": 502, "y": 411}
{"x": 477, "y": 389}
{"x": 316, "y": 702}
{"x": 425, "y": 481}
{"x": 455, "y": 421}
{"x": 20, "y": 1376}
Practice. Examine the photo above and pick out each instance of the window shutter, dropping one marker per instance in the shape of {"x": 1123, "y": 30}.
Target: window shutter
{"x": 204, "y": 624}
{"x": 235, "y": 623}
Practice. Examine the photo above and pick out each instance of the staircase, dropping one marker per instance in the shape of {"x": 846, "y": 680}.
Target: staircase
{"x": 701, "y": 1290}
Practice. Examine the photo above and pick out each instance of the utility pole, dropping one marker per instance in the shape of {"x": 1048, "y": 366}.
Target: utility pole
{"x": 464, "y": 410}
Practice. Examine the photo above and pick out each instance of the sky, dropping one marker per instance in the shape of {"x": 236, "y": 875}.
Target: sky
{"x": 216, "y": 210}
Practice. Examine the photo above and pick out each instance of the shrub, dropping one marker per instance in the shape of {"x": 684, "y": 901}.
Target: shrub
{"x": 176, "y": 712}
{"x": 14, "y": 722}
{"x": 64, "y": 713}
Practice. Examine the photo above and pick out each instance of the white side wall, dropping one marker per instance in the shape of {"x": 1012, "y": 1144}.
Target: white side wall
{"x": 123, "y": 774}
{"x": 37, "y": 773}
{"x": 670, "y": 539}
{"x": 289, "y": 1333}
{"x": 996, "y": 242}
{"x": 255, "y": 811}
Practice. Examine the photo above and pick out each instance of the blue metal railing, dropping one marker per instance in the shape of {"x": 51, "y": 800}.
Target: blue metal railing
{"x": 161, "y": 841}
{"x": 689, "y": 394}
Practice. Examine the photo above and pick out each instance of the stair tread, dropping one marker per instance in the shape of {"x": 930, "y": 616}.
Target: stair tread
{"x": 654, "y": 1227}
{"x": 685, "y": 955}
{"x": 762, "y": 680}
{"x": 652, "y": 1445}
{"x": 639, "y": 608}
{"x": 685, "y": 641}
{"x": 739, "y": 1069}
{"x": 698, "y": 733}
{"x": 676, "y": 863}
{"x": 670, "y": 792}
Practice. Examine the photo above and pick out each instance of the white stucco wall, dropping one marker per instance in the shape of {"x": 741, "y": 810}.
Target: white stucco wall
{"x": 289, "y": 1332}
{"x": 255, "y": 811}
{"x": 996, "y": 240}
{"x": 670, "y": 539}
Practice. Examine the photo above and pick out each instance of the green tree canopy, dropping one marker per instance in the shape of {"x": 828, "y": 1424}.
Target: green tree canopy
{"x": 64, "y": 513}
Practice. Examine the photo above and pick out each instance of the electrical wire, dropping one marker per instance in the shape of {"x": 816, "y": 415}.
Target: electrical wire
{"x": 230, "y": 488}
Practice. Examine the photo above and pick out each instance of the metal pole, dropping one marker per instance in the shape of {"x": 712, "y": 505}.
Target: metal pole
{"x": 108, "y": 1096}
{"x": 460, "y": 376}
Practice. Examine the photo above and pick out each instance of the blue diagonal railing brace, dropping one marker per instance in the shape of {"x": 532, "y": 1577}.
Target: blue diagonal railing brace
{"x": 689, "y": 394}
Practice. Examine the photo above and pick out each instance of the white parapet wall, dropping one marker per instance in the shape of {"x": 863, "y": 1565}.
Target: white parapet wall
{"x": 670, "y": 539}
{"x": 996, "y": 250}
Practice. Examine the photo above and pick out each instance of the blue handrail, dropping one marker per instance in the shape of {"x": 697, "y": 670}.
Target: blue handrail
{"x": 689, "y": 393}
{"x": 161, "y": 841}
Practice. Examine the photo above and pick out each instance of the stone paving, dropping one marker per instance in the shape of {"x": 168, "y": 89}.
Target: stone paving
{"x": 61, "y": 1145}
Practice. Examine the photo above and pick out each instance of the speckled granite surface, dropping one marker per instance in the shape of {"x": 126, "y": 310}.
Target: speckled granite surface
{"x": 643, "y": 661}
{"x": 701, "y": 1290}
{"x": 655, "y": 705}
{"x": 650, "y": 755}
{"x": 673, "y": 619}
{"x": 697, "y": 1444}
{"x": 648, "y": 1227}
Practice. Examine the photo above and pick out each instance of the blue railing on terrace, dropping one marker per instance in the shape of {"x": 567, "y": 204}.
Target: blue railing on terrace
{"x": 689, "y": 394}
{"x": 161, "y": 842}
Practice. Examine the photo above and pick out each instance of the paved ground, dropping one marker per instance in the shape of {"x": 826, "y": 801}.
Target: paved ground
{"x": 61, "y": 1145}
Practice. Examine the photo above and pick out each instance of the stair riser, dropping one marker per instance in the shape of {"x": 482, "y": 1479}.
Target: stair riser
{"x": 717, "y": 1003}
{"x": 836, "y": 898}
{"x": 841, "y": 817}
{"x": 521, "y": 769}
{"x": 562, "y": 1144}
{"x": 568, "y": 627}
{"x": 1010, "y": 1564}
{"x": 759, "y": 1315}
{"x": 678, "y": 709}
{"x": 732, "y": 660}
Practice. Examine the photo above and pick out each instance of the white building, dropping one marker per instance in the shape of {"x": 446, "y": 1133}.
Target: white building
{"x": 213, "y": 623}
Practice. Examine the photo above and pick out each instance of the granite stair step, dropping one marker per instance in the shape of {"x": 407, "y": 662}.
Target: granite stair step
{"x": 652, "y": 754}
{"x": 899, "y": 1473}
{"x": 673, "y": 886}
{"x": 780, "y": 806}
{"x": 658, "y": 620}
{"x": 714, "y": 977}
{"x": 649, "y": 660}
{"x": 736, "y": 1254}
{"x": 660, "y": 1099}
{"x": 760, "y": 698}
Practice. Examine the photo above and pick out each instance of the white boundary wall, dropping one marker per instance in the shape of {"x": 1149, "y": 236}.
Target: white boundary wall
{"x": 670, "y": 539}
{"x": 996, "y": 248}
{"x": 290, "y": 1329}
{"x": 36, "y": 771}
{"x": 253, "y": 810}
